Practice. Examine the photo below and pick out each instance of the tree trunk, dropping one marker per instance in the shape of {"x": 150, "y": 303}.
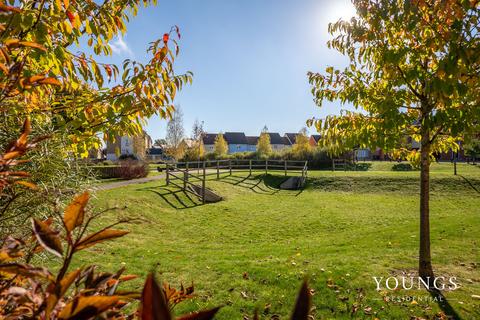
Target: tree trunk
{"x": 425, "y": 270}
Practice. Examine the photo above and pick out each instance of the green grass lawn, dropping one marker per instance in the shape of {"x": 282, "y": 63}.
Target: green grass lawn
{"x": 253, "y": 249}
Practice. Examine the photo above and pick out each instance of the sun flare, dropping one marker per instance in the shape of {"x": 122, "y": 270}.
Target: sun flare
{"x": 341, "y": 9}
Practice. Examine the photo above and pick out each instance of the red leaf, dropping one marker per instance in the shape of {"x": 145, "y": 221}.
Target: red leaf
{"x": 166, "y": 37}
{"x": 303, "y": 304}
{"x": 153, "y": 305}
{"x": 71, "y": 17}
{"x": 48, "y": 238}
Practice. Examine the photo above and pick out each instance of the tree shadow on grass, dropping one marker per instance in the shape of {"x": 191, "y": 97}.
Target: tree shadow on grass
{"x": 444, "y": 305}
{"x": 177, "y": 199}
{"x": 470, "y": 183}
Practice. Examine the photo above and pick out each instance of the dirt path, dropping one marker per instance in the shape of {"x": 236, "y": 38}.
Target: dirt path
{"x": 118, "y": 184}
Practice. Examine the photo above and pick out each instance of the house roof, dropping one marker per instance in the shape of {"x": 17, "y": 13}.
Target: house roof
{"x": 155, "y": 151}
{"x": 275, "y": 138}
{"x": 235, "y": 138}
{"x": 252, "y": 140}
{"x": 189, "y": 142}
{"x": 209, "y": 138}
{"x": 316, "y": 137}
{"x": 292, "y": 138}
{"x": 286, "y": 141}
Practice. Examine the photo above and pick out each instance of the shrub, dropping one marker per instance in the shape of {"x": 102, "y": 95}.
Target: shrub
{"x": 402, "y": 167}
{"x": 130, "y": 169}
{"x": 49, "y": 166}
{"x": 127, "y": 157}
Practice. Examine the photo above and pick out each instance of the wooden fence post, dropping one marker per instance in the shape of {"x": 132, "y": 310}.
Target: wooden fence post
{"x": 250, "y": 167}
{"x": 266, "y": 167}
{"x": 185, "y": 178}
{"x": 203, "y": 184}
{"x": 218, "y": 170}
{"x": 230, "y": 166}
{"x": 167, "y": 178}
{"x": 285, "y": 165}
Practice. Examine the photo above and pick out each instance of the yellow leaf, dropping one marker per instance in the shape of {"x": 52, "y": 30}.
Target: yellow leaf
{"x": 85, "y": 307}
{"x": 100, "y": 236}
{"x": 68, "y": 27}
{"x": 75, "y": 211}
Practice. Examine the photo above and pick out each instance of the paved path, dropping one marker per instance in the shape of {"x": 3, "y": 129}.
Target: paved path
{"x": 118, "y": 184}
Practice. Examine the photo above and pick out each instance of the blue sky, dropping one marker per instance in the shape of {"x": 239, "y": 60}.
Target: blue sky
{"x": 249, "y": 59}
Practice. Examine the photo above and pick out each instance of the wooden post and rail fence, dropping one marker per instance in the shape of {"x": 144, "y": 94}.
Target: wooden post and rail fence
{"x": 181, "y": 174}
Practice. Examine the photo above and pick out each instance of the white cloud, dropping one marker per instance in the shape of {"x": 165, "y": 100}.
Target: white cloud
{"x": 120, "y": 47}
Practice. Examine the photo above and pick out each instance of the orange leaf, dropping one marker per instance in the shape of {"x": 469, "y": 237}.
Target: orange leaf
{"x": 67, "y": 281}
{"x": 85, "y": 307}
{"x": 35, "y": 79}
{"x": 128, "y": 277}
{"x": 22, "y": 140}
{"x": 166, "y": 37}
{"x": 75, "y": 212}
{"x": 100, "y": 236}
{"x": 48, "y": 238}
{"x": 11, "y": 42}
{"x": 27, "y": 184}
{"x": 32, "y": 45}
{"x": 26, "y": 270}
{"x": 5, "y": 8}
{"x": 153, "y": 304}
{"x": 12, "y": 155}
{"x": 108, "y": 69}
{"x": 52, "y": 81}
{"x": 4, "y": 68}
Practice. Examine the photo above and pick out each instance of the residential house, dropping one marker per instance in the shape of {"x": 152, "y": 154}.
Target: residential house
{"x": 252, "y": 143}
{"x": 209, "y": 142}
{"x": 362, "y": 154}
{"x": 276, "y": 141}
{"x": 314, "y": 140}
{"x": 95, "y": 154}
{"x": 155, "y": 153}
{"x": 286, "y": 142}
{"x": 136, "y": 146}
{"x": 237, "y": 142}
{"x": 290, "y": 138}
{"x": 186, "y": 144}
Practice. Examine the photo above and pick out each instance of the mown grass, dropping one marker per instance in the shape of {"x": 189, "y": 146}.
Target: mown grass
{"x": 253, "y": 249}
